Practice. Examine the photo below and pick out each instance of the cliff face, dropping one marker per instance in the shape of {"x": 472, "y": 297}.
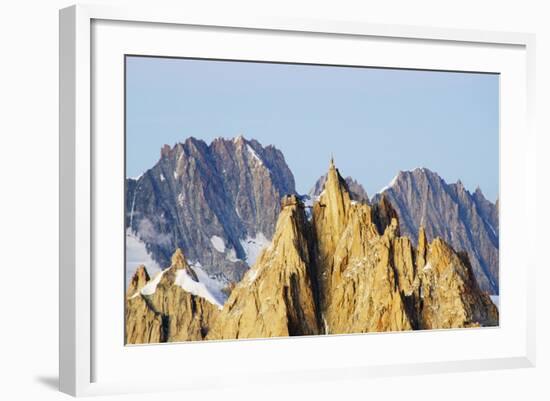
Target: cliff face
{"x": 219, "y": 202}
{"x": 468, "y": 222}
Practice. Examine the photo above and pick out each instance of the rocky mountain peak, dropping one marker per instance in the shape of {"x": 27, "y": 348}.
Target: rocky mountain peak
{"x": 178, "y": 260}
{"x": 355, "y": 189}
{"x": 139, "y": 279}
{"x": 335, "y": 198}
{"x": 180, "y": 263}
{"x": 383, "y": 214}
{"x": 277, "y": 295}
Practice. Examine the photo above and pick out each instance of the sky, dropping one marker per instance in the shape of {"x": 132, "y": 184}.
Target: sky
{"x": 375, "y": 122}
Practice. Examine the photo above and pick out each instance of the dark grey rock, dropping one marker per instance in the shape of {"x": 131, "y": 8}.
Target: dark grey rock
{"x": 208, "y": 200}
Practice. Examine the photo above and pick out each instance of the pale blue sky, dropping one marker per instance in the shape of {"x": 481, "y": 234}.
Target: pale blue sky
{"x": 375, "y": 121}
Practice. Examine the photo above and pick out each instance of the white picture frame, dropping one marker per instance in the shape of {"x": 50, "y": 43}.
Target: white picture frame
{"x": 80, "y": 343}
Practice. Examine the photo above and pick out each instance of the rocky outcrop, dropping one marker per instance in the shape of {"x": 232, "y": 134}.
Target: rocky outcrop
{"x": 174, "y": 306}
{"x": 219, "y": 202}
{"x": 277, "y": 295}
{"x": 468, "y": 222}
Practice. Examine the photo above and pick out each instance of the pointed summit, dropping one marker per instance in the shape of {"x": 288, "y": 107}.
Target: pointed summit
{"x": 331, "y": 165}
{"x": 139, "y": 279}
{"x": 179, "y": 262}
{"x": 178, "y": 259}
{"x": 330, "y": 218}
{"x": 239, "y": 139}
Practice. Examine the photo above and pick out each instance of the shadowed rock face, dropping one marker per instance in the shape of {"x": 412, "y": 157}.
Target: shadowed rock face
{"x": 215, "y": 201}
{"x": 467, "y": 222}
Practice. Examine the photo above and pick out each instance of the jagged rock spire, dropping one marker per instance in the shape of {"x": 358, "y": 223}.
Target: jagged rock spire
{"x": 330, "y": 217}
{"x": 179, "y": 262}
{"x": 178, "y": 259}
{"x": 139, "y": 279}
{"x": 276, "y": 297}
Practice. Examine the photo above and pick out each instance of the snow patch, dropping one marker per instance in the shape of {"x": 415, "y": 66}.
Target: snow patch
{"x": 175, "y": 175}
{"x": 490, "y": 227}
{"x": 151, "y": 286}
{"x": 181, "y": 198}
{"x": 162, "y": 177}
{"x": 217, "y": 243}
{"x": 308, "y": 205}
{"x": 307, "y": 200}
{"x": 253, "y": 246}
{"x": 254, "y": 154}
{"x": 428, "y": 266}
{"x": 136, "y": 254}
{"x": 200, "y": 288}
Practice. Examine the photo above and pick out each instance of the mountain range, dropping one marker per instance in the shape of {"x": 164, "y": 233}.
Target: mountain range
{"x": 220, "y": 203}
{"x": 467, "y": 221}
{"x": 342, "y": 268}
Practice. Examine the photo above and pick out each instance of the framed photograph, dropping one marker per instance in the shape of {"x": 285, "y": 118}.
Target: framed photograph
{"x": 279, "y": 200}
